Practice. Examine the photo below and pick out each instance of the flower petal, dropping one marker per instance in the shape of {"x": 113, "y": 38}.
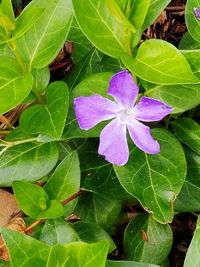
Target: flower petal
{"x": 141, "y": 136}
{"x": 123, "y": 89}
{"x": 113, "y": 143}
{"x": 91, "y": 110}
{"x": 149, "y": 109}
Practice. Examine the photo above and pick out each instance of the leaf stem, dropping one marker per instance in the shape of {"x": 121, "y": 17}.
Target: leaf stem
{"x": 17, "y": 55}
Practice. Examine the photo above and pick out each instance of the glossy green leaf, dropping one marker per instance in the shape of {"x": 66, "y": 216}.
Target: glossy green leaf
{"x": 82, "y": 254}
{"x": 26, "y": 20}
{"x": 65, "y": 180}
{"x": 32, "y": 262}
{"x": 188, "y": 131}
{"x": 58, "y": 257}
{"x": 36, "y": 46}
{"x": 188, "y": 199}
{"x": 193, "y": 24}
{"x": 29, "y": 162}
{"x": 154, "y": 10}
{"x": 138, "y": 12}
{"x": 22, "y": 247}
{"x": 110, "y": 263}
{"x": 31, "y": 198}
{"x": 193, "y": 57}
{"x": 34, "y": 201}
{"x": 97, "y": 174}
{"x": 93, "y": 62}
{"x": 84, "y": 68}
{"x": 93, "y": 208}
{"x": 103, "y": 24}
{"x": 58, "y": 231}
{"x": 41, "y": 79}
{"x": 160, "y": 62}
{"x": 6, "y": 23}
{"x": 180, "y": 97}
{"x": 7, "y": 9}
{"x": 82, "y": 45}
{"x": 157, "y": 246}
{"x": 193, "y": 254}
{"x": 188, "y": 43}
{"x": 48, "y": 119}
{"x": 54, "y": 210}
{"x": 5, "y": 263}
{"x": 92, "y": 232}
{"x": 96, "y": 84}
{"x": 162, "y": 176}
{"x": 14, "y": 85}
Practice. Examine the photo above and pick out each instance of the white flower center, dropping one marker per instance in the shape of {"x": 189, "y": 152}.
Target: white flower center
{"x": 125, "y": 115}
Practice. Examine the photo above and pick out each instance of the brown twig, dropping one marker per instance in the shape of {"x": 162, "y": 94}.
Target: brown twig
{"x": 31, "y": 226}
{"x": 64, "y": 202}
{"x": 175, "y": 8}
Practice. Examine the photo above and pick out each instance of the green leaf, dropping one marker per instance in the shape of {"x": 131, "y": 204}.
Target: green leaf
{"x": 138, "y": 12}
{"x": 48, "y": 119}
{"x": 5, "y": 263}
{"x": 82, "y": 254}
{"x": 188, "y": 131}
{"x": 188, "y": 199}
{"x": 7, "y": 9}
{"x": 54, "y": 210}
{"x": 98, "y": 175}
{"x": 35, "y": 46}
{"x": 29, "y": 162}
{"x": 84, "y": 68}
{"x": 58, "y": 231}
{"x": 41, "y": 79}
{"x": 95, "y": 84}
{"x": 156, "y": 245}
{"x": 22, "y": 247}
{"x": 162, "y": 176}
{"x": 154, "y": 10}
{"x": 160, "y": 62}
{"x": 14, "y": 85}
{"x": 192, "y": 23}
{"x": 32, "y": 262}
{"x": 58, "y": 257}
{"x": 188, "y": 43}
{"x": 65, "y": 181}
{"x": 31, "y": 198}
{"x": 102, "y": 21}
{"x": 110, "y": 263}
{"x": 26, "y": 20}
{"x": 34, "y": 201}
{"x": 180, "y": 97}
{"x": 93, "y": 62}
{"x": 193, "y": 254}
{"x": 92, "y": 232}
{"x": 193, "y": 57}
{"x": 6, "y": 23}
{"x": 82, "y": 45}
{"x": 93, "y": 208}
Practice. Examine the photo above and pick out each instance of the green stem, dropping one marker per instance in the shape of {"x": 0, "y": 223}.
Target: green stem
{"x": 38, "y": 95}
{"x": 14, "y": 143}
{"x": 4, "y": 132}
{"x": 17, "y": 55}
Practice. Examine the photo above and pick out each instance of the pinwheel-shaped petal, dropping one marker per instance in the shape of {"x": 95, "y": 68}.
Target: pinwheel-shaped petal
{"x": 91, "y": 110}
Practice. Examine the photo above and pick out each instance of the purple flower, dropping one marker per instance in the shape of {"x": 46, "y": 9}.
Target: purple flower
{"x": 91, "y": 110}
{"x": 197, "y": 12}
